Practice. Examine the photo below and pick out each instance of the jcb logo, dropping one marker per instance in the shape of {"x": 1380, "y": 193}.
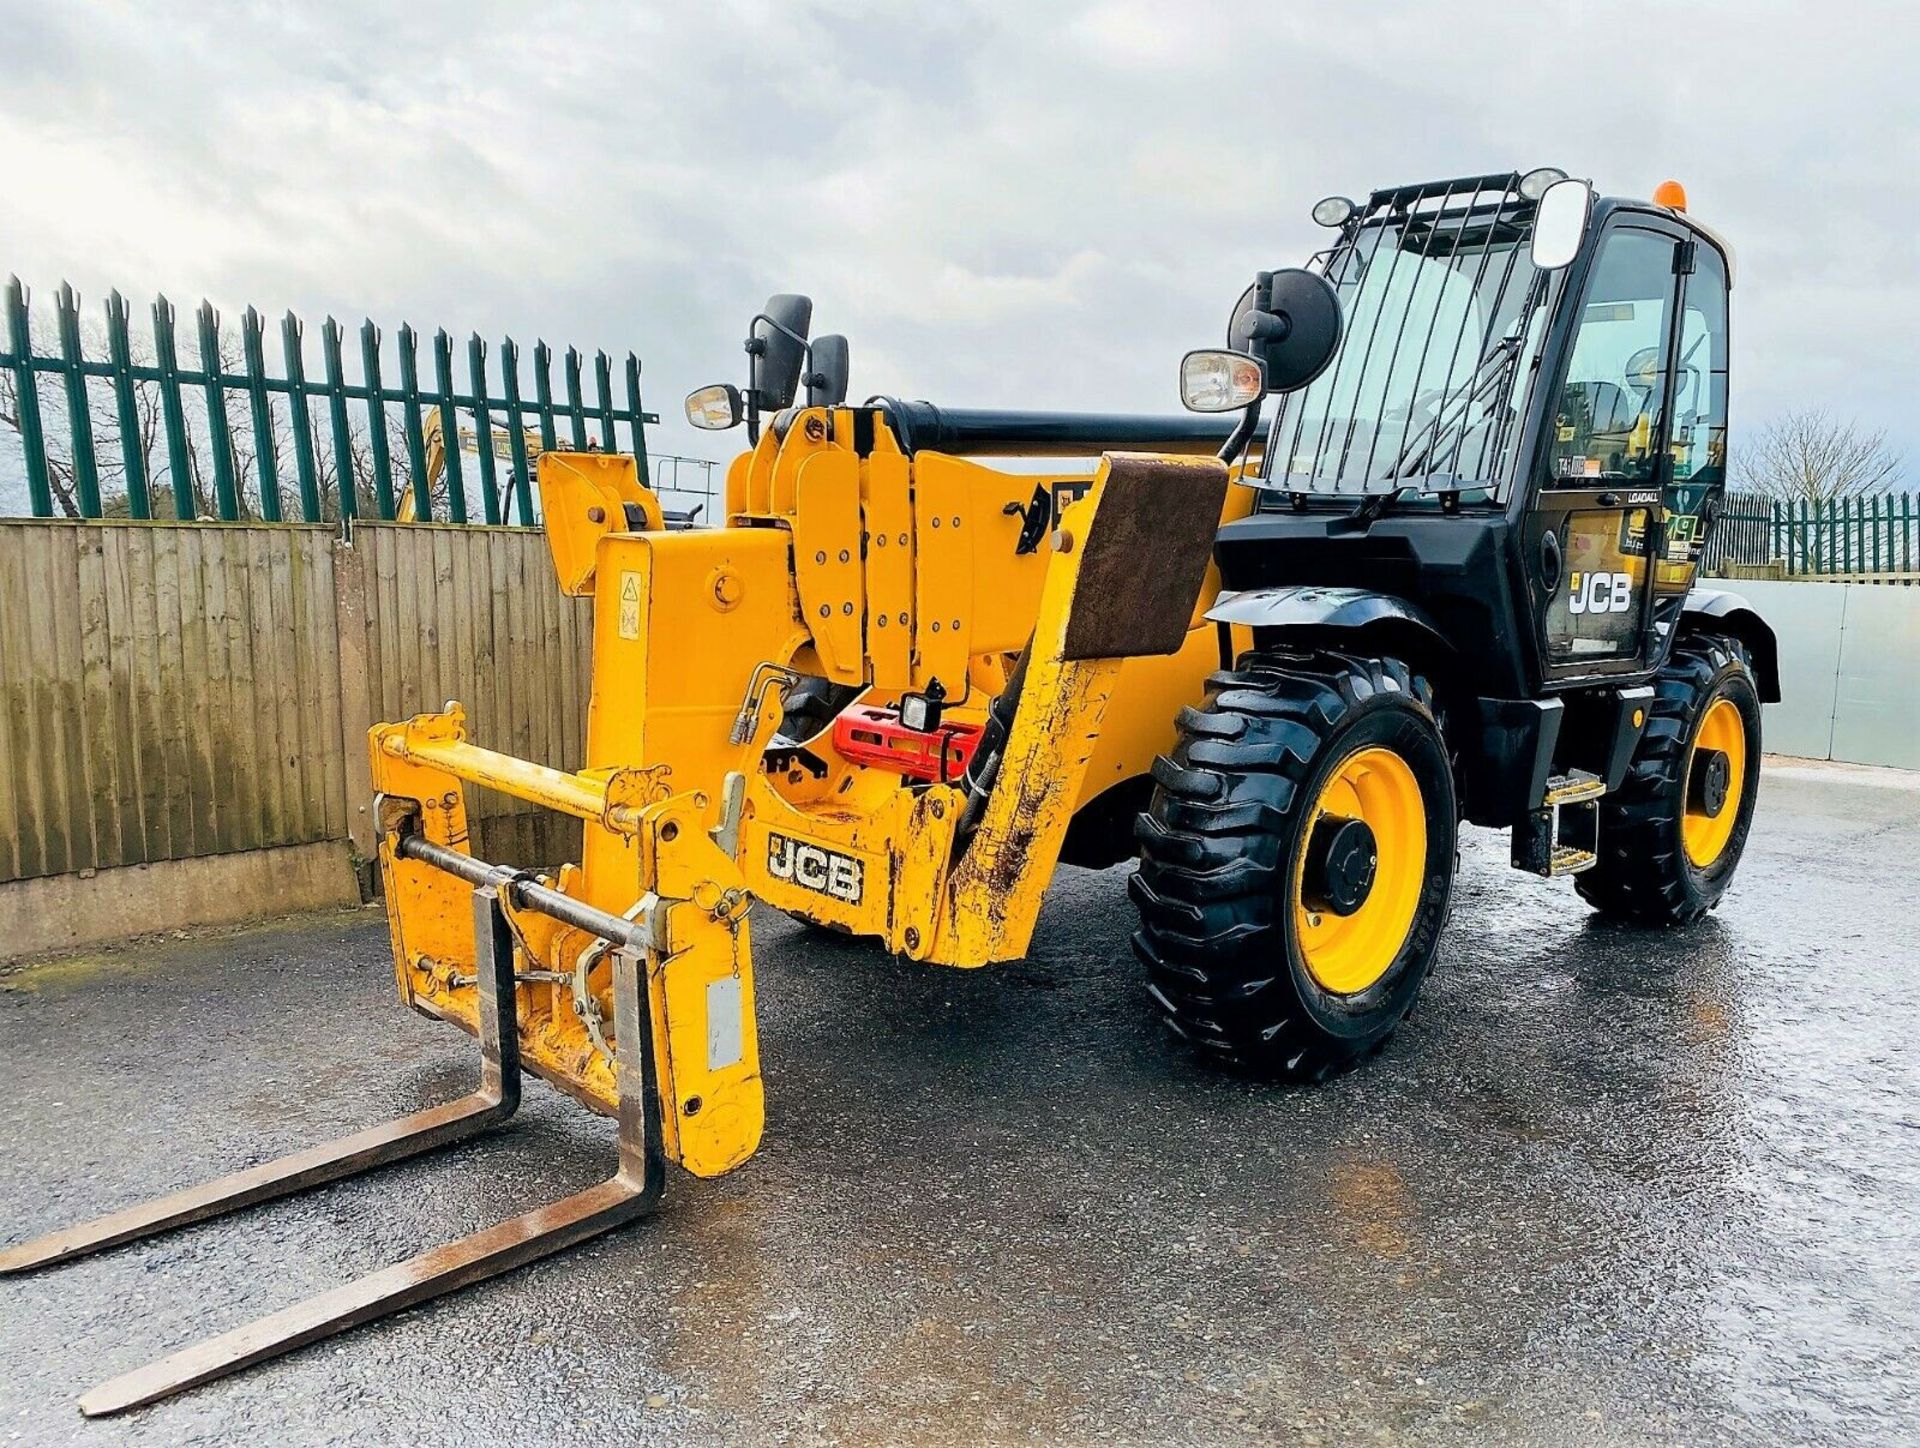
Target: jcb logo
{"x": 1599, "y": 593}
{"x": 825, "y": 872}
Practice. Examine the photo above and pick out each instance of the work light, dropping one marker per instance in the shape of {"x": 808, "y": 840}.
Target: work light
{"x": 1215, "y": 381}
{"x": 715, "y": 408}
{"x": 922, "y": 712}
{"x": 1333, "y": 211}
{"x": 1534, "y": 184}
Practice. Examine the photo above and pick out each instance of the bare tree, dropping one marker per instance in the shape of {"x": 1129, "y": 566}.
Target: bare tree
{"x": 1808, "y": 456}
{"x": 103, "y": 413}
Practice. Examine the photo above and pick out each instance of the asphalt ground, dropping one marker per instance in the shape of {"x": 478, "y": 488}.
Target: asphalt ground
{"x": 1605, "y": 1186}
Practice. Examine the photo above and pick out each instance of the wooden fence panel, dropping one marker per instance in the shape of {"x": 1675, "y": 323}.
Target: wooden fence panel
{"x": 176, "y": 690}
{"x": 165, "y": 692}
{"x": 475, "y": 614}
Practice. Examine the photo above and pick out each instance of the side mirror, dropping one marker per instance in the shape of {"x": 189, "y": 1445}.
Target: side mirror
{"x": 826, "y": 378}
{"x": 1220, "y": 381}
{"x": 715, "y": 408}
{"x": 1290, "y": 322}
{"x": 1560, "y": 223}
{"x": 778, "y": 346}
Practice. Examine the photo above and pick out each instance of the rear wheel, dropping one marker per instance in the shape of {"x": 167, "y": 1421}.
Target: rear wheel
{"x": 1672, "y": 835}
{"x": 1296, "y": 861}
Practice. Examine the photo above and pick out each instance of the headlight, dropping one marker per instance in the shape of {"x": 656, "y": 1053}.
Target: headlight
{"x": 714, "y": 408}
{"x": 1213, "y": 381}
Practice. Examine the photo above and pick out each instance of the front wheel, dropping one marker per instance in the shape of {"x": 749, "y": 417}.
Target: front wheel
{"x": 1672, "y": 835}
{"x": 1296, "y": 861}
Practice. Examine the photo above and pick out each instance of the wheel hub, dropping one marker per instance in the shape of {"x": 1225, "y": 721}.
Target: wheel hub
{"x": 1710, "y": 783}
{"x": 1342, "y": 857}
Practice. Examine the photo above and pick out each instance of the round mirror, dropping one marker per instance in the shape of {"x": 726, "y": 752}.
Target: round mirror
{"x": 1560, "y": 223}
{"x": 1297, "y": 335}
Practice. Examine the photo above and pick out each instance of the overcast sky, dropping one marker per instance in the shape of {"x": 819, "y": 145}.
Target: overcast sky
{"x": 1021, "y": 204}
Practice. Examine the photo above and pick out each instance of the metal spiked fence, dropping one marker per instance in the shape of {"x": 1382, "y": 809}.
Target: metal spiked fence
{"x": 1863, "y": 537}
{"x": 1870, "y": 538}
{"x": 226, "y": 437}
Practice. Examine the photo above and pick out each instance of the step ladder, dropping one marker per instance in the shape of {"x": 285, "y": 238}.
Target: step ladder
{"x": 1562, "y": 837}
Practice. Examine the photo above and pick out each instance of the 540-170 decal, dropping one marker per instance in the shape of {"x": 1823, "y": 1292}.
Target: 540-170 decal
{"x": 813, "y": 867}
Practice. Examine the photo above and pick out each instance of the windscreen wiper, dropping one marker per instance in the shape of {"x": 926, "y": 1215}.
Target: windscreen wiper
{"x": 1371, "y": 507}
{"x": 1488, "y": 376}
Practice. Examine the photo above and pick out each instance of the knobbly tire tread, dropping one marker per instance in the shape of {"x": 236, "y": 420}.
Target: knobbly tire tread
{"x": 1215, "y": 846}
{"x": 1643, "y": 875}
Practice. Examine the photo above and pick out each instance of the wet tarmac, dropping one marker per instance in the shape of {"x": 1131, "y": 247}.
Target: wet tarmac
{"x": 1605, "y": 1186}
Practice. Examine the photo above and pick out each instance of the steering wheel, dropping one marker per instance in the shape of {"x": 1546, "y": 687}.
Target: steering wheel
{"x": 1643, "y": 369}
{"x": 1643, "y": 372}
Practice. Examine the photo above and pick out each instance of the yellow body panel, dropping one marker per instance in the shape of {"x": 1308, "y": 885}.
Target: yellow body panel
{"x": 973, "y": 593}
{"x": 583, "y": 497}
{"x": 887, "y": 515}
{"x": 693, "y": 632}
{"x": 827, "y": 568}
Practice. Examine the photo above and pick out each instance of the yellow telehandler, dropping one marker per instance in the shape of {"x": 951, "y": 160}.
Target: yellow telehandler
{"x": 1452, "y": 578}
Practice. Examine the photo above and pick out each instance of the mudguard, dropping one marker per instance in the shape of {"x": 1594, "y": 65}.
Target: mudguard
{"x": 1714, "y": 610}
{"x": 1346, "y": 610}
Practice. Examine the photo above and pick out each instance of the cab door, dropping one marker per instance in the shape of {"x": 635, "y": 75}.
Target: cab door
{"x": 1603, "y": 465}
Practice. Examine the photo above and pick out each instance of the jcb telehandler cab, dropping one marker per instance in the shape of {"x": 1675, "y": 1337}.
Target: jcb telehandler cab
{"x": 1452, "y": 576}
{"x": 1468, "y": 582}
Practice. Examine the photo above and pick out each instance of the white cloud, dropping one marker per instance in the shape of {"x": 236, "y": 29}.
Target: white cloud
{"x": 998, "y": 202}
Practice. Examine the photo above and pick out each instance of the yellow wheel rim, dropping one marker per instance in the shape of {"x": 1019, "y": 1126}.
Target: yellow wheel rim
{"x": 1706, "y": 835}
{"x": 1347, "y": 953}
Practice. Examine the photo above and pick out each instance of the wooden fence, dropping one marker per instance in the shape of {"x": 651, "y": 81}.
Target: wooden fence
{"x": 181, "y": 690}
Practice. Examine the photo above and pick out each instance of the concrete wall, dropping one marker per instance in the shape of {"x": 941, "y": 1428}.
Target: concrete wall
{"x": 102, "y": 907}
{"x": 1849, "y": 670}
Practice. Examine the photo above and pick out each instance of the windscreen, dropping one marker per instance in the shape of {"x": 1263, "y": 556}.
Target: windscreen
{"x": 1442, "y": 309}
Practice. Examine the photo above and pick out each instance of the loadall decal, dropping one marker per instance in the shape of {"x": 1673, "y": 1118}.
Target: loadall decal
{"x": 825, "y": 872}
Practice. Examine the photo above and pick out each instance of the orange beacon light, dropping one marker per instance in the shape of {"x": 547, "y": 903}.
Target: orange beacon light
{"x": 1671, "y": 194}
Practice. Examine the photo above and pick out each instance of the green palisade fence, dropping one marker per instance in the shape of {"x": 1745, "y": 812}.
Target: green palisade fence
{"x": 232, "y": 438}
{"x": 1873, "y": 537}
{"x": 1870, "y": 539}
{"x": 1743, "y": 533}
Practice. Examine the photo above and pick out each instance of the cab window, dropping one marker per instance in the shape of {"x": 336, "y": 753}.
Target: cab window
{"x": 1607, "y": 414}
{"x": 1700, "y": 379}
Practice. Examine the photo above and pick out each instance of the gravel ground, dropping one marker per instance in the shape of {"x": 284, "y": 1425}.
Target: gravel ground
{"x": 1605, "y": 1186}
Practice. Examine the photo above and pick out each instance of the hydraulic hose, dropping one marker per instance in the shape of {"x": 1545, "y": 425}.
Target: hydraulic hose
{"x": 983, "y": 770}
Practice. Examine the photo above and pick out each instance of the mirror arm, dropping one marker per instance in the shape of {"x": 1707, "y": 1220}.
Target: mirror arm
{"x": 756, "y": 347}
{"x": 1242, "y": 433}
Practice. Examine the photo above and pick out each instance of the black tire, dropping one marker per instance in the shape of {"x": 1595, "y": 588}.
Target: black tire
{"x": 1222, "y": 853}
{"x": 1644, "y": 874}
